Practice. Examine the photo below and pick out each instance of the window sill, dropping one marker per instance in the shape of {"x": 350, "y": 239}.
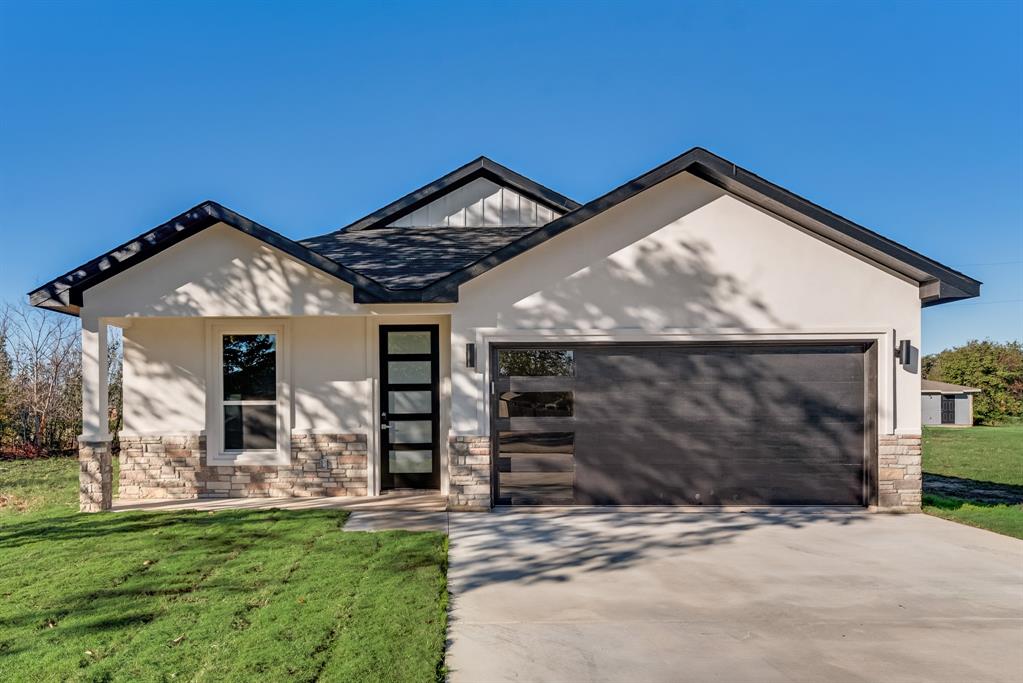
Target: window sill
{"x": 267, "y": 457}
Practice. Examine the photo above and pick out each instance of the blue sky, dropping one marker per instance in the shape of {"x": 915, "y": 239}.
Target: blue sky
{"x": 906, "y": 118}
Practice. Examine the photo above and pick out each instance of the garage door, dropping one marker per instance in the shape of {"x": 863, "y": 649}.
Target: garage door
{"x": 683, "y": 424}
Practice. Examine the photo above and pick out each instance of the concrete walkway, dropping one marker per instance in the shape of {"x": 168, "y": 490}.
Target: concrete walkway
{"x": 764, "y": 596}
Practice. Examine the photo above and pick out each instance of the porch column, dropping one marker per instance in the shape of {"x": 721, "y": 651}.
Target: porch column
{"x": 95, "y": 474}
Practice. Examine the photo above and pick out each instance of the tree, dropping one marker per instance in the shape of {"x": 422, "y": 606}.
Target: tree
{"x": 995, "y": 368}
{"x": 42, "y": 414}
{"x": 6, "y": 390}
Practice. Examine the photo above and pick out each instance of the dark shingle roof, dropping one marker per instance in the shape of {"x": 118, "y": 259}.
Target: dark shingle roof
{"x": 412, "y": 258}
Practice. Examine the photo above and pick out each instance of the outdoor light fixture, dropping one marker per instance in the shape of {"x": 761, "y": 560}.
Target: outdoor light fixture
{"x": 470, "y": 355}
{"x": 904, "y": 352}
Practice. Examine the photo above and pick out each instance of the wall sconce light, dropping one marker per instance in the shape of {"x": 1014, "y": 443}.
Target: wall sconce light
{"x": 904, "y": 352}
{"x": 470, "y": 355}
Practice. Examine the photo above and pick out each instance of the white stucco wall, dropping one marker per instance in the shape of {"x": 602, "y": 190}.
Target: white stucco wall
{"x": 165, "y": 375}
{"x": 220, "y": 272}
{"x": 687, "y": 258}
{"x": 683, "y": 259}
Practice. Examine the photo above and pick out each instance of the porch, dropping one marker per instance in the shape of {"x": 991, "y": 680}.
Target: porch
{"x": 292, "y": 412}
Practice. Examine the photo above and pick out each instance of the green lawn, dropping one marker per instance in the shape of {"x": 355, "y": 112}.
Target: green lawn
{"x": 1003, "y": 519}
{"x": 233, "y": 595}
{"x": 982, "y": 453}
{"x": 989, "y": 454}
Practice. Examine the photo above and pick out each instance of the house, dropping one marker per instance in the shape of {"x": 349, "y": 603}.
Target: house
{"x": 696, "y": 336}
{"x": 946, "y": 404}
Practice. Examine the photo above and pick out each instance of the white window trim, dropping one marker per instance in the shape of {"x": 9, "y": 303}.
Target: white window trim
{"x": 215, "y": 452}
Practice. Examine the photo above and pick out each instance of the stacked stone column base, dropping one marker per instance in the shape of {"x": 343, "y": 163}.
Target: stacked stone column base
{"x": 95, "y": 476}
{"x": 899, "y": 473}
{"x": 469, "y": 473}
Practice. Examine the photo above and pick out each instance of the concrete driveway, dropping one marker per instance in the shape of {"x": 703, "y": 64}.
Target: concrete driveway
{"x": 769, "y": 596}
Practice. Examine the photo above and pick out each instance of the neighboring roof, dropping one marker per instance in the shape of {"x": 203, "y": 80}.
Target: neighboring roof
{"x": 420, "y": 265}
{"x": 930, "y": 386}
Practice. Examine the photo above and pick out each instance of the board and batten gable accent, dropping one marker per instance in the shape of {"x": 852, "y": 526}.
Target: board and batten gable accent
{"x": 481, "y": 203}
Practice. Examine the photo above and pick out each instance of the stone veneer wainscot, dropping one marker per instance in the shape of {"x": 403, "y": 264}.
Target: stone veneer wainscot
{"x": 174, "y": 466}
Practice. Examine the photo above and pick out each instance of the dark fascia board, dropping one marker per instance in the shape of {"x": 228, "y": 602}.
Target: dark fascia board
{"x": 64, "y": 294}
{"x": 477, "y": 168}
{"x": 938, "y": 283}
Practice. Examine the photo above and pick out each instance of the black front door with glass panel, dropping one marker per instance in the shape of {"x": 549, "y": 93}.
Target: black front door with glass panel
{"x": 409, "y": 407}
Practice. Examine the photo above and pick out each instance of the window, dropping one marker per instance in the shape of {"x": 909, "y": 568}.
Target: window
{"x": 536, "y": 362}
{"x": 249, "y": 366}
{"x": 247, "y": 416}
{"x": 535, "y": 404}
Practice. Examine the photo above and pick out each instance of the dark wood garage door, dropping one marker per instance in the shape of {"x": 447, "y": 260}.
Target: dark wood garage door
{"x": 684, "y": 425}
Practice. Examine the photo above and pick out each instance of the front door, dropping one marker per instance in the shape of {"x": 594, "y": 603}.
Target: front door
{"x": 409, "y": 407}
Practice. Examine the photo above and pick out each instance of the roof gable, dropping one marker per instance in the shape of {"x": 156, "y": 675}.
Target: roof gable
{"x": 938, "y": 283}
{"x": 481, "y": 168}
{"x": 64, "y": 294}
{"x": 481, "y": 203}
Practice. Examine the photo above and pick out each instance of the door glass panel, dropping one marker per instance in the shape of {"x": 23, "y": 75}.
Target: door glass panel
{"x": 250, "y": 427}
{"x": 411, "y": 431}
{"x": 408, "y": 342}
{"x": 399, "y": 402}
{"x": 408, "y": 372}
{"x": 536, "y": 363}
{"x": 410, "y": 462}
{"x": 535, "y": 404}
{"x": 250, "y": 367}
{"x": 536, "y": 468}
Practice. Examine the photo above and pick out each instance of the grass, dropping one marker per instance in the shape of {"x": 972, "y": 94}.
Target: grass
{"x": 228, "y": 596}
{"x": 992, "y": 454}
{"x": 27, "y": 485}
{"x": 1002, "y": 519}
{"x": 985, "y": 454}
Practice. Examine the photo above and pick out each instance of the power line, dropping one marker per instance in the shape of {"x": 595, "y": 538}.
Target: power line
{"x": 988, "y": 303}
{"x": 991, "y": 263}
